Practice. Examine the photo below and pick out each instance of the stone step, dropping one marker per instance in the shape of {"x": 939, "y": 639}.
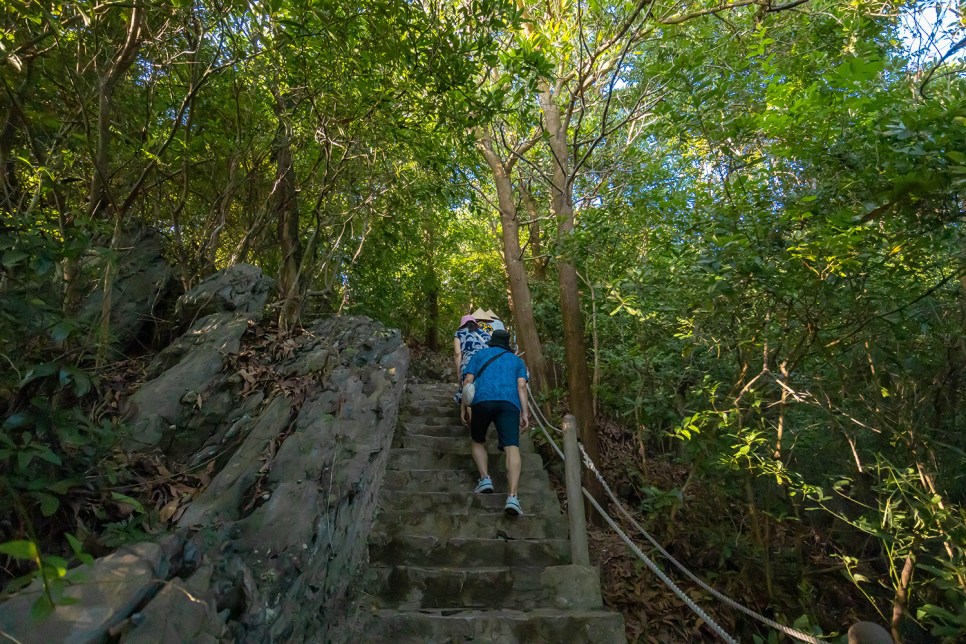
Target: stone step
{"x": 414, "y": 459}
{"x": 463, "y": 480}
{"x": 542, "y": 626}
{"x": 489, "y": 525}
{"x": 539, "y": 502}
{"x": 433, "y": 421}
{"x": 452, "y": 430}
{"x": 418, "y": 392}
{"x": 466, "y": 552}
{"x": 435, "y": 407}
{"x": 459, "y": 443}
{"x": 421, "y": 587}
{"x": 451, "y": 413}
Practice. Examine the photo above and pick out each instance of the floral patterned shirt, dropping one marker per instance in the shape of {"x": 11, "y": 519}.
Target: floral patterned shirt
{"x": 470, "y": 343}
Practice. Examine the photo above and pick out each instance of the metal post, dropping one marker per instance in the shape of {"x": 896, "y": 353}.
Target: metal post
{"x": 575, "y": 498}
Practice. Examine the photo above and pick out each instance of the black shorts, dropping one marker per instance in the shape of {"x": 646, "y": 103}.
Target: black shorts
{"x": 504, "y": 415}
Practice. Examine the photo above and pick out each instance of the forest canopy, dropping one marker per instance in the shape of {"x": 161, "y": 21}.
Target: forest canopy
{"x": 729, "y": 238}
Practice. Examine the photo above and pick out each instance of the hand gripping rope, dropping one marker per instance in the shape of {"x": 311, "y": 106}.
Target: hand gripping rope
{"x": 791, "y": 632}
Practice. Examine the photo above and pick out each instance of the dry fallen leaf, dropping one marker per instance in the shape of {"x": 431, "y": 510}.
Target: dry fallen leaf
{"x": 168, "y": 510}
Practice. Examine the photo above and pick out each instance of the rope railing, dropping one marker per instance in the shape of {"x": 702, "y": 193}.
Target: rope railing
{"x": 588, "y": 462}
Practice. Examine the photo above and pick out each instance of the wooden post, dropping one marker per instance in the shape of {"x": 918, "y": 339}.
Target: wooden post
{"x": 575, "y": 497}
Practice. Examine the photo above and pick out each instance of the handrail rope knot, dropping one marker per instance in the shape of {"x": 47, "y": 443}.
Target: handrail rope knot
{"x": 589, "y": 463}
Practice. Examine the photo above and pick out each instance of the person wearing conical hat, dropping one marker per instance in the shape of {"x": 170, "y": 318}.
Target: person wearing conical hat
{"x": 483, "y": 319}
{"x": 495, "y": 321}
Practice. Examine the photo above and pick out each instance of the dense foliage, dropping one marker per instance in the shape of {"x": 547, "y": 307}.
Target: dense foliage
{"x": 762, "y": 205}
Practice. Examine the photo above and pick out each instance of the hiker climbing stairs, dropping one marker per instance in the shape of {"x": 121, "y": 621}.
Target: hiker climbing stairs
{"x": 447, "y": 565}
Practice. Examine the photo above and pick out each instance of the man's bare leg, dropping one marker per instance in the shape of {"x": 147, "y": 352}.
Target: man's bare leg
{"x": 513, "y": 467}
{"x": 479, "y": 457}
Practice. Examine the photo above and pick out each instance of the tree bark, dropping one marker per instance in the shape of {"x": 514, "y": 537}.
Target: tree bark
{"x": 431, "y": 286}
{"x": 285, "y": 207}
{"x": 902, "y": 590}
{"x": 533, "y": 212}
{"x": 99, "y": 198}
{"x": 578, "y": 375}
{"x": 513, "y": 258}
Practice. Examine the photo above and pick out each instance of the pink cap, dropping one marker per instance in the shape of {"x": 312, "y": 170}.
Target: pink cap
{"x": 465, "y": 319}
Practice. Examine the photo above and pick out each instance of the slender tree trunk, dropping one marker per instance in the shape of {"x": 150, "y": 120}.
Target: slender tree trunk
{"x": 578, "y": 375}
{"x": 901, "y": 602}
{"x": 99, "y": 198}
{"x": 431, "y": 286}
{"x": 533, "y": 212}
{"x": 515, "y": 268}
{"x": 285, "y": 207}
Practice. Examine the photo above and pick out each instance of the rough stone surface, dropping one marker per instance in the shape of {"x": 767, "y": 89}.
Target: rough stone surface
{"x": 324, "y": 520}
{"x": 196, "y": 360}
{"x": 184, "y": 611}
{"x": 447, "y": 565}
{"x": 284, "y": 522}
{"x": 142, "y": 279}
{"x": 106, "y": 594}
{"x": 572, "y": 587}
{"x": 237, "y": 289}
{"x": 222, "y": 500}
{"x": 267, "y": 552}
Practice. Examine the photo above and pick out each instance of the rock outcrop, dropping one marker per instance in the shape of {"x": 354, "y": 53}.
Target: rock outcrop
{"x": 192, "y": 367}
{"x": 295, "y": 434}
{"x": 238, "y": 289}
{"x": 142, "y": 279}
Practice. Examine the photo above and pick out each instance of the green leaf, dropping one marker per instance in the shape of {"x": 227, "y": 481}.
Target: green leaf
{"x": 12, "y": 257}
{"x": 61, "y": 330}
{"x": 19, "y": 549}
{"x": 24, "y": 458}
{"x": 50, "y": 457}
{"x": 42, "y": 608}
{"x": 38, "y": 371}
{"x": 74, "y": 542}
{"x": 48, "y": 503}
{"x": 78, "y": 549}
{"x": 126, "y": 499}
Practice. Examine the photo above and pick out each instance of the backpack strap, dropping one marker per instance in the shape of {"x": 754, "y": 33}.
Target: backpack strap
{"x": 487, "y": 364}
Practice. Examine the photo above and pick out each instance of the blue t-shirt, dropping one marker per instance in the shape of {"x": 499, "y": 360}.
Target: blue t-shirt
{"x": 499, "y": 381}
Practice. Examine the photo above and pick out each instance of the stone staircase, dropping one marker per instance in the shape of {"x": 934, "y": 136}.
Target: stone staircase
{"x": 447, "y": 565}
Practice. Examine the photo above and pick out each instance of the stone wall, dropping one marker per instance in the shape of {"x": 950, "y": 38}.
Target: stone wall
{"x": 295, "y": 433}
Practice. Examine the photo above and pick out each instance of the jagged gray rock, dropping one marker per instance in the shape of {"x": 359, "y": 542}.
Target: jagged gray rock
{"x": 106, "y": 594}
{"x": 241, "y": 288}
{"x": 143, "y": 278}
{"x": 196, "y": 361}
{"x": 184, "y": 611}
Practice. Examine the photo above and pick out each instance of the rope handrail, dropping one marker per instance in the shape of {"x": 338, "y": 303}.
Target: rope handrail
{"x": 588, "y": 462}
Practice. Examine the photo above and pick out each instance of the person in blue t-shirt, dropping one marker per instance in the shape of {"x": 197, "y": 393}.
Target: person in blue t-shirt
{"x": 501, "y": 398}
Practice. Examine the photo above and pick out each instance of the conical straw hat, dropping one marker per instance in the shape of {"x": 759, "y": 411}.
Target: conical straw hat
{"x": 480, "y": 314}
{"x": 490, "y": 315}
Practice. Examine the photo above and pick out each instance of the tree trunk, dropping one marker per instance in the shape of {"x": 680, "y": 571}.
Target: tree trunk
{"x": 578, "y": 375}
{"x": 539, "y": 263}
{"x": 285, "y": 207}
{"x": 515, "y": 268}
{"x": 902, "y": 590}
{"x": 431, "y": 287}
{"x": 99, "y": 198}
